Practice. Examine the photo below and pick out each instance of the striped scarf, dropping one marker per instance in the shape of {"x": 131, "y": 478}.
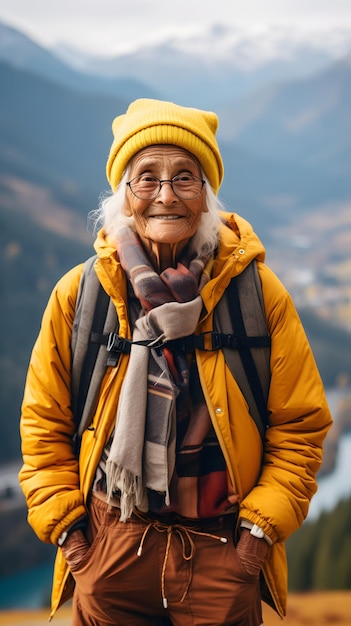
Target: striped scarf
{"x": 142, "y": 454}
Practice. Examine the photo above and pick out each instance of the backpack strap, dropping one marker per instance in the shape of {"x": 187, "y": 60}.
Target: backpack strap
{"x": 95, "y": 315}
{"x": 242, "y": 312}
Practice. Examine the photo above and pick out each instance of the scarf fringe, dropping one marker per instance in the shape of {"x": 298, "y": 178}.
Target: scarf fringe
{"x": 130, "y": 486}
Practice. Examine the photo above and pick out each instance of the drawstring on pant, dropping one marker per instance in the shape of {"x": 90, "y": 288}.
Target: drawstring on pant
{"x": 185, "y": 535}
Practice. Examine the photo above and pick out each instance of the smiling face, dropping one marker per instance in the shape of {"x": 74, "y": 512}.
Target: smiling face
{"x": 166, "y": 223}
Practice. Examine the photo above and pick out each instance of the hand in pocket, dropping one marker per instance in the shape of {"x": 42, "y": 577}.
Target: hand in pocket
{"x": 252, "y": 553}
{"x": 75, "y": 548}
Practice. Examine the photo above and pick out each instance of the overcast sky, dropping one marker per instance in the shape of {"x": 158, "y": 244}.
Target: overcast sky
{"x": 110, "y": 26}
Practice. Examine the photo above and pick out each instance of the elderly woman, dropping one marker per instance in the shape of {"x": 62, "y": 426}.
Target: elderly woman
{"x": 176, "y": 512}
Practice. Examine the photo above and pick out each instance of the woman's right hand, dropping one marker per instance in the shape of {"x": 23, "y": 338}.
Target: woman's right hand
{"x": 75, "y": 548}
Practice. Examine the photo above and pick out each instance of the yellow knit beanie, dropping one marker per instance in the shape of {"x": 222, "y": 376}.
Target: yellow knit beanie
{"x": 150, "y": 122}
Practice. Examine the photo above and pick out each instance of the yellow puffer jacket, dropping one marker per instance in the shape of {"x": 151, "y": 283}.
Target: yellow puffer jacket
{"x": 275, "y": 495}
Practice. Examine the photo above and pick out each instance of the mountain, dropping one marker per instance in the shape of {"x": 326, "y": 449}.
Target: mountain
{"x": 282, "y": 99}
{"x": 206, "y": 69}
{"x": 308, "y": 117}
{"x": 21, "y": 52}
{"x": 216, "y": 65}
{"x": 52, "y": 132}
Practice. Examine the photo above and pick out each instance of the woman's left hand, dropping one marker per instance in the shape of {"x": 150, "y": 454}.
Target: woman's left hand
{"x": 252, "y": 552}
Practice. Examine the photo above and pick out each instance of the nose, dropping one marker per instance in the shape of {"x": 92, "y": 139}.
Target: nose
{"x": 166, "y": 194}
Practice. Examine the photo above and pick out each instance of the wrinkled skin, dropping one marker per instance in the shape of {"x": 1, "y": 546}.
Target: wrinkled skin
{"x": 166, "y": 223}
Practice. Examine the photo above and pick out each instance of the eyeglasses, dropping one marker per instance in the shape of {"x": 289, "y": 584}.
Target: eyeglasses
{"x": 185, "y": 186}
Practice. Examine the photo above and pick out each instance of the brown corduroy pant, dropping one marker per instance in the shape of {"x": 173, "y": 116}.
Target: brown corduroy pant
{"x": 147, "y": 572}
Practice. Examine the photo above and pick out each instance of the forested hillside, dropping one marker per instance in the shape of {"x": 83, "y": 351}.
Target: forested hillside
{"x": 319, "y": 552}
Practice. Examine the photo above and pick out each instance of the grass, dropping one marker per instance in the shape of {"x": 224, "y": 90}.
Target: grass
{"x": 310, "y": 609}
{"x": 314, "y": 609}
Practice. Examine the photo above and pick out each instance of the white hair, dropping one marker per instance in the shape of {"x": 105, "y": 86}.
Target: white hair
{"x": 112, "y": 217}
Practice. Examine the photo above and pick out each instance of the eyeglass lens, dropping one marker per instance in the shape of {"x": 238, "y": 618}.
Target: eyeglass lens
{"x": 185, "y": 186}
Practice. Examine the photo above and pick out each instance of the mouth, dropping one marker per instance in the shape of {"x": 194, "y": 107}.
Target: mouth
{"x": 167, "y": 218}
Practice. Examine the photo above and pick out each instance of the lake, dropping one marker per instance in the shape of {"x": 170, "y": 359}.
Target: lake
{"x": 27, "y": 590}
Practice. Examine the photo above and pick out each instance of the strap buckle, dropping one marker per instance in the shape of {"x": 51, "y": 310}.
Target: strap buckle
{"x": 115, "y": 343}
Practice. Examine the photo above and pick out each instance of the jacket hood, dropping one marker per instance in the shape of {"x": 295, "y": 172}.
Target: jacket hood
{"x": 237, "y": 236}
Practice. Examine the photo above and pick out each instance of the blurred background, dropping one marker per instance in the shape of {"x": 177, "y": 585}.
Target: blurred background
{"x": 278, "y": 74}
